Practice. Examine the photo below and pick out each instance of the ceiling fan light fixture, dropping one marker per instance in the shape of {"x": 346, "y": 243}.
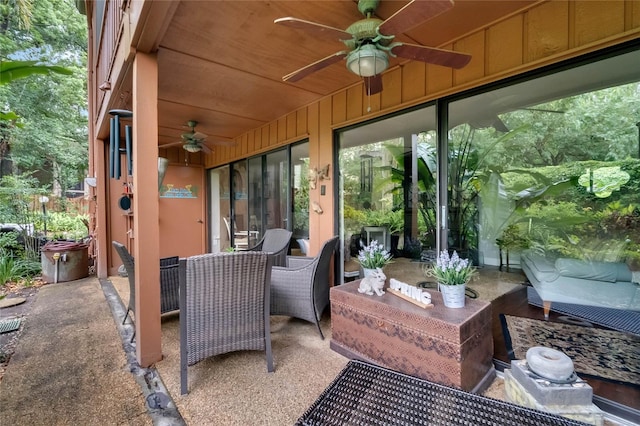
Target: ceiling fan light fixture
{"x": 367, "y": 61}
{"x": 192, "y": 147}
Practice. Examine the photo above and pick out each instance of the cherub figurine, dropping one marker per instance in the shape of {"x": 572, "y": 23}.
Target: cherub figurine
{"x": 374, "y": 282}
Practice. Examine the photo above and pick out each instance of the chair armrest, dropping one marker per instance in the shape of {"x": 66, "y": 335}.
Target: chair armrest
{"x": 298, "y": 261}
{"x": 257, "y": 247}
{"x": 299, "y": 266}
{"x": 169, "y": 261}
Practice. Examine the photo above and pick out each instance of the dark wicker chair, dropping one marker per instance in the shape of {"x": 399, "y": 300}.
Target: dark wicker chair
{"x": 169, "y": 285}
{"x": 301, "y": 289}
{"x": 276, "y": 242}
{"x": 224, "y": 306}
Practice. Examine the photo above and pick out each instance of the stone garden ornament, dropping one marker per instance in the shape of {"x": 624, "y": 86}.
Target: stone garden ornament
{"x": 373, "y": 283}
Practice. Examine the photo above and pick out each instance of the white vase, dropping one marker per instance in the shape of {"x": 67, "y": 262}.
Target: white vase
{"x": 452, "y": 295}
{"x": 368, "y": 272}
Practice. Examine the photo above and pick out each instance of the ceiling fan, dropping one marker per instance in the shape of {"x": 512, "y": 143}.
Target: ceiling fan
{"x": 193, "y": 141}
{"x": 369, "y": 41}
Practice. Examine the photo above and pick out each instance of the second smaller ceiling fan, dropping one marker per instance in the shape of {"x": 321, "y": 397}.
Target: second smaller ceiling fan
{"x": 193, "y": 141}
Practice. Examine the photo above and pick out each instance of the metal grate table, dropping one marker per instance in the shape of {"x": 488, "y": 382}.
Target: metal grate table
{"x": 368, "y": 395}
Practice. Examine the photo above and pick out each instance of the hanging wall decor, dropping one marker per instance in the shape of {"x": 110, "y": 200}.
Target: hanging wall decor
{"x": 313, "y": 177}
{"x": 323, "y": 173}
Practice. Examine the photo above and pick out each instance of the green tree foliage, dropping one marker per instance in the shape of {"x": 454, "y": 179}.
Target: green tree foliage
{"x": 599, "y": 125}
{"x": 50, "y": 135}
{"x": 13, "y": 70}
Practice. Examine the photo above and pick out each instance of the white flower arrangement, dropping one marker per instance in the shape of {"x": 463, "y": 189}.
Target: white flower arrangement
{"x": 451, "y": 270}
{"x": 374, "y": 256}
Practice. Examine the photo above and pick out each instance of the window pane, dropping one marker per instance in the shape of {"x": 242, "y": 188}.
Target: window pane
{"x": 300, "y": 190}
{"x": 387, "y": 184}
{"x": 548, "y": 169}
{"x": 219, "y": 208}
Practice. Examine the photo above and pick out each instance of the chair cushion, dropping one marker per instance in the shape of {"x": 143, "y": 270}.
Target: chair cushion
{"x": 542, "y": 268}
{"x": 597, "y": 271}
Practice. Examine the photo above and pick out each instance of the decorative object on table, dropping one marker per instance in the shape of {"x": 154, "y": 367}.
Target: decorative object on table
{"x": 373, "y": 283}
{"x": 605, "y": 354}
{"x": 410, "y": 293}
{"x": 452, "y": 274}
{"x": 373, "y": 256}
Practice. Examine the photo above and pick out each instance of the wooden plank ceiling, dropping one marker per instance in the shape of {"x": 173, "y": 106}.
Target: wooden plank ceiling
{"x": 221, "y": 62}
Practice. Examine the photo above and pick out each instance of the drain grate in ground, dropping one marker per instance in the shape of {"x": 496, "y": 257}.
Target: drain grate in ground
{"x": 7, "y": 326}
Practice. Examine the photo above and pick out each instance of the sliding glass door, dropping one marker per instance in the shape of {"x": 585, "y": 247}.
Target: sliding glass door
{"x": 388, "y": 184}
{"x": 264, "y": 192}
{"x": 548, "y": 165}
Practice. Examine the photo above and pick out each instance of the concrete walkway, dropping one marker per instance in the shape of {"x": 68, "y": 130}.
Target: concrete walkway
{"x": 69, "y": 366}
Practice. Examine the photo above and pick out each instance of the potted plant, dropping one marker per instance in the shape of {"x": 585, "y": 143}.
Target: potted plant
{"x": 452, "y": 274}
{"x": 373, "y": 256}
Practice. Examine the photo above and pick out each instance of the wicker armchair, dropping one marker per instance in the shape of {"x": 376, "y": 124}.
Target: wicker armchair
{"x": 301, "y": 289}
{"x": 169, "y": 285}
{"x": 276, "y": 242}
{"x": 224, "y": 306}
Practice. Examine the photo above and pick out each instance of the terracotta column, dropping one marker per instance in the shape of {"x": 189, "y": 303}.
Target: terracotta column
{"x": 145, "y": 208}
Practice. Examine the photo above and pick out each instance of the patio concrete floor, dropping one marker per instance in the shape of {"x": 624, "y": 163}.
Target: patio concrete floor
{"x": 74, "y": 365}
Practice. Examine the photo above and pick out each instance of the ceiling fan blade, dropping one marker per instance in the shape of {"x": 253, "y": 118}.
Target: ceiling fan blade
{"x": 193, "y": 136}
{"x": 316, "y": 66}
{"x": 412, "y": 14}
{"x": 167, "y": 145}
{"x": 431, "y": 55}
{"x": 318, "y": 30}
{"x": 198, "y": 135}
{"x": 373, "y": 85}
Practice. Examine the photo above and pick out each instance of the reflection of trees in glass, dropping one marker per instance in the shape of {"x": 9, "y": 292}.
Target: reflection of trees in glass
{"x": 562, "y": 217}
{"x": 469, "y": 165}
{"x": 534, "y": 176}
{"x": 598, "y": 125}
{"x": 301, "y": 200}
{"x": 425, "y": 185}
